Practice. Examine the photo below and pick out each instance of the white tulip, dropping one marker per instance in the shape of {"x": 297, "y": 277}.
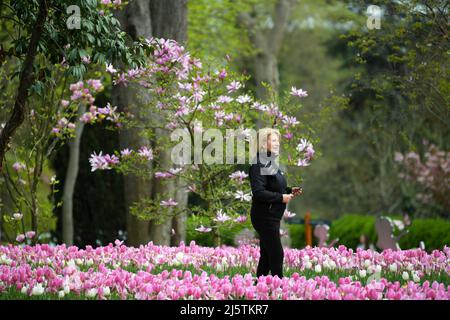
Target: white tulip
{"x": 318, "y": 268}
{"x": 367, "y": 263}
{"x": 5, "y": 260}
{"x": 61, "y": 294}
{"x": 378, "y": 269}
{"x": 308, "y": 265}
{"x": 332, "y": 265}
{"x": 106, "y": 291}
{"x": 179, "y": 256}
{"x": 91, "y": 293}
{"x": 362, "y": 273}
{"x": 393, "y": 267}
{"x": 416, "y": 277}
{"x": 24, "y": 290}
{"x": 405, "y": 275}
{"x": 37, "y": 290}
{"x": 66, "y": 289}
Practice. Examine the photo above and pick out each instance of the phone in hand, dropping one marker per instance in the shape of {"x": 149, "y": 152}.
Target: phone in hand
{"x": 296, "y": 191}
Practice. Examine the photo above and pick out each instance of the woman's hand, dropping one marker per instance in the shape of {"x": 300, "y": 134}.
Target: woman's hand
{"x": 297, "y": 191}
{"x": 287, "y": 197}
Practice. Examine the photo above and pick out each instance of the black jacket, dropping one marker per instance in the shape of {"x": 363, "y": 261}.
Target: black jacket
{"x": 267, "y": 190}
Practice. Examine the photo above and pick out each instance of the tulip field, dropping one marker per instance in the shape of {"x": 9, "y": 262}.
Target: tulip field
{"x": 195, "y": 272}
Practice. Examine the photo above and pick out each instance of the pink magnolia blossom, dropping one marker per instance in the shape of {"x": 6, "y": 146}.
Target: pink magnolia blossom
{"x": 238, "y": 176}
{"x": 234, "y": 86}
{"x": 18, "y": 216}
{"x": 30, "y": 234}
{"x": 221, "y": 216}
{"x": 288, "y": 214}
{"x": 298, "y": 92}
{"x": 203, "y": 229}
{"x": 169, "y": 203}
{"x": 145, "y": 153}
{"x": 18, "y": 166}
{"x": 110, "y": 68}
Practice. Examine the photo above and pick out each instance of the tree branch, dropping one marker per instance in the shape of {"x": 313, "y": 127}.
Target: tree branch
{"x": 26, "y": 80}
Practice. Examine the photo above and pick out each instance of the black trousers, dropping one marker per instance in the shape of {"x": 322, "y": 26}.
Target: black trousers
{"x": 271, "y": 250}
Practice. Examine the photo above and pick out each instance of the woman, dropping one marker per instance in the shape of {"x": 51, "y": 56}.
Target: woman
{"x": 270, "y": 196}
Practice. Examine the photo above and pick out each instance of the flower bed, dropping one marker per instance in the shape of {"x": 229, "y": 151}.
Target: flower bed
{"x": 195, "y": 272}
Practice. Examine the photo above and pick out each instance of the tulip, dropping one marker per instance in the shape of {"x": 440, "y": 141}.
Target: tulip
{"x": 37, "y": 290}
{"x": 393, "y": 267}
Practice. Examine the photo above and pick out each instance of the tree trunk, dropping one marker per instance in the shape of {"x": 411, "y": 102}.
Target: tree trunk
{"x": 71, "y": 180}
{"x": 162, "y": 19}
{"x": 26, "y": 80}
{"x": 136, "y": 21}
{"x": 169, "y": 21}
{"x": 179, "y": 222}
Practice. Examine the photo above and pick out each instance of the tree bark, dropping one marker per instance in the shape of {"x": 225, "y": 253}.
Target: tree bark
{"x": 26, "y": 80}
{"x": 267, "y": 42}
{"x": 169, "y": 21}
{"x": 71, "y": 180}
{"x": 136, "y": 21}
{"x": 162, "y": 19}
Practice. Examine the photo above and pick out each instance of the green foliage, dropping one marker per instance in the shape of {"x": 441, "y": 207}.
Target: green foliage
{"x": 214, "y": 30}
{"x": 435, "y": 233}
{"x": 44, "y": 203}
{"x": 206, "y": 238}
{"x": 396, "y": 97}
{"x": 297, "y": 234}
{"x": 64, "y": 55}
{"x": 350, "y": 227}
{"x": 99, "y": 36}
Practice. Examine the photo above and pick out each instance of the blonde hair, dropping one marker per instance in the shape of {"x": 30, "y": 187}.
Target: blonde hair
{"x": 263, "y": 136}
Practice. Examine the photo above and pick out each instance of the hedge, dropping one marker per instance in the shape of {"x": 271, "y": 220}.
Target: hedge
{"x": 434, "y": 232}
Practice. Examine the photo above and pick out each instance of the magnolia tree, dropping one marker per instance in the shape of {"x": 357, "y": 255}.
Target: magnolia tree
{"x": 206, "y": 118}
{"x": 72, "y": 48}
{"x": 51, "y": 125}
{"x": 432, "y": 174}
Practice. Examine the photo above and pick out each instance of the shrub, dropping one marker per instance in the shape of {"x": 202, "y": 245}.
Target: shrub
{"x": 434, "y": 232}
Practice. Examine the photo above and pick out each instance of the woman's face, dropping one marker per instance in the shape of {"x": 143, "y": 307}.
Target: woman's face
{"x": 273, "y": 143}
